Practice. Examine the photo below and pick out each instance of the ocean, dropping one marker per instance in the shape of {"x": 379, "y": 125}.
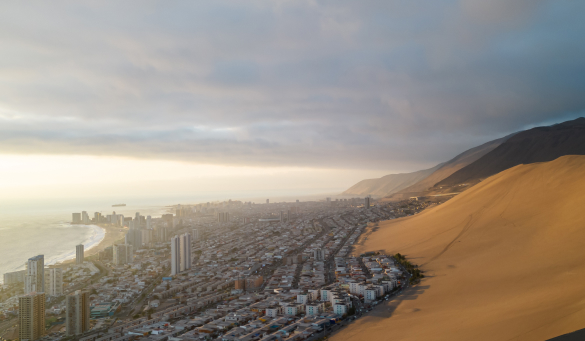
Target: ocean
{"x": 34, "y": 227}
{"x": 48, "y": 231}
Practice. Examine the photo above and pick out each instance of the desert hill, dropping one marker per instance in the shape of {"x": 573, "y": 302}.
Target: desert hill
{"x": 504, "y": 260}
{"x": 389, "y": 184}
{"x": 539, "y": 144}
{"x": 448, "y": 168}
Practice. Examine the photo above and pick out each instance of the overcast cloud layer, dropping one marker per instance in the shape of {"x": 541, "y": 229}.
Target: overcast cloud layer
{"x": 382, "y": 84}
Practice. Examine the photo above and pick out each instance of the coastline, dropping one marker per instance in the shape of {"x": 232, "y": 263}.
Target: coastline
{"x": 111, "y": 235}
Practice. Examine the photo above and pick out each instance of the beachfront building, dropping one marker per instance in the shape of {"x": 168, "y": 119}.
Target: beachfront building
{"x": 34, "y": 280}
{"x": 31, "y": 316}
{"x": 79, "y": 254}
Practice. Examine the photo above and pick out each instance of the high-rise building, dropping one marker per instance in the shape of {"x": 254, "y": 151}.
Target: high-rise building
{"x": 31, "y": 316}
{"x": 85, "y": 217}
{"x": 195, "y": 234}
{"x": 79, "y": 254}
{"x": 147, "y": 237}
{"x": 180, "y": 253}
{"x": 281, "y": 216}
{"x": 14, "y": 277}
{"x": 34, "y": 280}
{"x": 148, "y": 223}
{"x": 134, "y": 237}
{"x": 123, "y": 254}
{"x": 77, "y": 313}
{"x": 185, "y": 252}
{"x": 288, "y": 215}
{"x": 319, "y": 255}
{"x": 161, "y": 234}
{"x": 97, "y": 217}
{"x": 367, "y": 202}
{"x": 175, "y": 255}
{"x": 54, "y": 281}
{"x": 76, "y": 218}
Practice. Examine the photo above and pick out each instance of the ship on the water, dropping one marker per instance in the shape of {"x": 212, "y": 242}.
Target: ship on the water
{"x": 118, "y": 205}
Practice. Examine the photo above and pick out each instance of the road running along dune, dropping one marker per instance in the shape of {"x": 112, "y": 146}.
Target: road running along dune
{"x": 504, "y": 260}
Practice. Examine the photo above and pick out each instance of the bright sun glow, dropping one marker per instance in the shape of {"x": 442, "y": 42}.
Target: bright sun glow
{"x": 25, "y": 176}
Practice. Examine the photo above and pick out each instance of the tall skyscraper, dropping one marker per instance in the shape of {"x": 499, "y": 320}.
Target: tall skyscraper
{"x": 367, "y": 202}
{"x": 175, "y": 255}
{"x": 54, "y": 281}
{"x": 97, "y": 216}
{"x": 31, "y": 316}
{"x": 34, "y": 280}
{"x": 79, "y": 254}
{"x": 148, "y": 223}
{"x": 123, "y": 254}
{"x": 281, "y": 216}
{"x": 77, "y": 313}
{"x": 185, "y": 252}
{"x": 195, "y": 234}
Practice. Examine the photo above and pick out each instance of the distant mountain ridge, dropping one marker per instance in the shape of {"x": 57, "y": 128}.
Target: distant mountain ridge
{"x": 448, "y": 168}
{"x": 389, "y": 184}
{"x": 540, "y": 144}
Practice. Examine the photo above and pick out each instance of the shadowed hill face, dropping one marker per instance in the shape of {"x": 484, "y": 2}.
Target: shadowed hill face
{"x": 535, "y": 145}
{"x": 503, "y": 260}
{"x": 389, "y": 184}
{"x": 448, "y": 168}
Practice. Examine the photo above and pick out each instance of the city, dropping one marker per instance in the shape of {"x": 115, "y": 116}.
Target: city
{"x": 227, "y": 270}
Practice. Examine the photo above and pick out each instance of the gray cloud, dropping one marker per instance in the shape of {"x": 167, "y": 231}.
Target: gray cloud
{"x": 381, "y": 84}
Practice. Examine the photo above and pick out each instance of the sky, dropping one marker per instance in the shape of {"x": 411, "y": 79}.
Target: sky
{"x": 106, "y": 98}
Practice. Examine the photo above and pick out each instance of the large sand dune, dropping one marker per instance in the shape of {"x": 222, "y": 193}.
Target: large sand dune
{"x": 505, "y": 260}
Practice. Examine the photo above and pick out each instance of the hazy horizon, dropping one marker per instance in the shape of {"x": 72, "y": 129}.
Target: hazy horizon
{"x": 106, "y": 98}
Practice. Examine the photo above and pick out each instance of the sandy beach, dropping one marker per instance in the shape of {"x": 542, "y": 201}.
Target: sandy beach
{"x": 113, "y": 234}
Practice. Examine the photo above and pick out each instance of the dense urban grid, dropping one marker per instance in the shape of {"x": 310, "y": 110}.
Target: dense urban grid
{"x": 225, "y": 270}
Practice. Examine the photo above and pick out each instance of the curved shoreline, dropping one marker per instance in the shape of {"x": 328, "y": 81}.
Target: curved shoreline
{"x": 97, "y": 236}
{"x": 111, "y": 235}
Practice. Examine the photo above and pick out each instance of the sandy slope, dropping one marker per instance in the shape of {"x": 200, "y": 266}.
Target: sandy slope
{"x": 505, "y": 261}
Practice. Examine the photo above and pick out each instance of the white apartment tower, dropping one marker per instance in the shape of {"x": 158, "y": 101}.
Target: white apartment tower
{"x": 185, "y": 252}
{"x": 79, "y": 254}
{"x": 34, "y": 280}
{"x": 77, "y": 313}
{"x": 175, "y": 255}
{"x": 54, "y": 281}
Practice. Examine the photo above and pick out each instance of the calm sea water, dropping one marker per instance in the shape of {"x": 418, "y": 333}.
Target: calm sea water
{"x": 33, "y": 227}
